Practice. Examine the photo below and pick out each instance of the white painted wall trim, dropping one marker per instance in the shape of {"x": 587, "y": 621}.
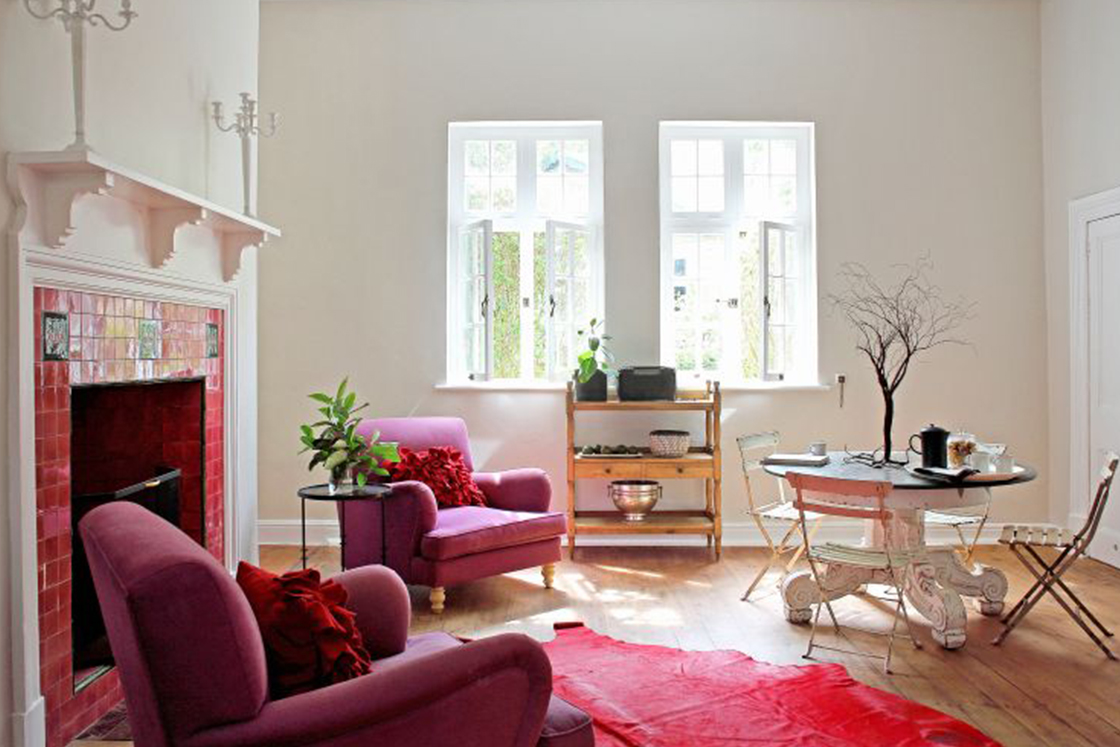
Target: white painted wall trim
{"x": 735, "y": 534}
{"x": 1082, "y": 213}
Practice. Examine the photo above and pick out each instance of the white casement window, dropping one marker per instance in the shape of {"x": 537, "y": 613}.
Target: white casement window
{"x": 525, "y": 255}
{"x": 738, "y": 261}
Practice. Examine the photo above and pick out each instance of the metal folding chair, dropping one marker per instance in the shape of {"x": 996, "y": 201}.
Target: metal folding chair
{"x": 959, "y": 521}
{"x": 891, "y": 565}
{"x": 753, "y": 449}
{"x": 1024, "y": 541}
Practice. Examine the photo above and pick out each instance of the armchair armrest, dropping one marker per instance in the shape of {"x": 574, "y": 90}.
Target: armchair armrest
{"x": 525, "y": 489}
{"x": 492, "y": 692}
{"x": 379, "y": 600}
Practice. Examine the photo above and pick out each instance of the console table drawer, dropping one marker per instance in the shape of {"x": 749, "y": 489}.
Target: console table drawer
{"x": 697, "y": 469}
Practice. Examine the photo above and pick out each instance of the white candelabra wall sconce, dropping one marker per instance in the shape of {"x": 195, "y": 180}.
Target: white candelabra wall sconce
{"x": 75, "y": 14}
{"x": 247, "y": 126}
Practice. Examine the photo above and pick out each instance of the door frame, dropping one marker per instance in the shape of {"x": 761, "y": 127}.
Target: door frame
{"x": 1083, "y": 213}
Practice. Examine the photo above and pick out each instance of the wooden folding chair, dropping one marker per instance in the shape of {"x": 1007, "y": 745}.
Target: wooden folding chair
{"x": 890, "y": 565}
{"x": 1024, "y": 541}
{"x": 753, "y": 449}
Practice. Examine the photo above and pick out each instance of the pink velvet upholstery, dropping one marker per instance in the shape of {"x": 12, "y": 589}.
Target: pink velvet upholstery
{"x": 443, "y": 547}
{"x": 193, "y": 667}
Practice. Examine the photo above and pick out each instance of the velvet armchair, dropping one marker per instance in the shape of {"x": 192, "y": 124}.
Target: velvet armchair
{"x": 192, "y": 660}
{"x": 435, "y": 547}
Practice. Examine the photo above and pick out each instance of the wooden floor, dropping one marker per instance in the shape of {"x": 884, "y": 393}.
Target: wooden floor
{"x": 1046, "y": 685}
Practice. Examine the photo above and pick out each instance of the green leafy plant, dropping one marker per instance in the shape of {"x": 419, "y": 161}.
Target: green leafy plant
{"x": 337, "y": 446}
{"x": 597, "y": 357}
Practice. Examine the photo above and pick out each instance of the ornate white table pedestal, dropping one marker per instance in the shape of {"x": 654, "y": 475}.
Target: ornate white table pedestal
{"x": 937, "y": 579}
{"x": 935, "y": 585}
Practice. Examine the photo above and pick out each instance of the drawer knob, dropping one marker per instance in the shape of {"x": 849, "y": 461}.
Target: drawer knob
{"x": 607, "y": 470}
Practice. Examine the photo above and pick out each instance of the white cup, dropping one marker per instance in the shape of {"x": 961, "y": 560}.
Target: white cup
{"x": 1003, "y": 464}
{"x": 818, "y": 448}
{"x": 981, "y": 461}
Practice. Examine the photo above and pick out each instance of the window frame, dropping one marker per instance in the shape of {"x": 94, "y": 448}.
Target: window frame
{"x": 526, "y": 221}
{"x": 730, "y": 222}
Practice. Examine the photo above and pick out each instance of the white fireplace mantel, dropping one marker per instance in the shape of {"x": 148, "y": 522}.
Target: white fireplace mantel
{"x": 58, "y": 179}
{"x": 82, "y": 223}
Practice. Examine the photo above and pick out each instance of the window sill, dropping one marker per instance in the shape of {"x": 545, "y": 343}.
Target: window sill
{"x": 553, "y": 386}
{"x": 502, "y": 386}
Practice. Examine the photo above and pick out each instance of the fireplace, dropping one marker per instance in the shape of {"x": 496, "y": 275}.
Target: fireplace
{"x": 128, "y": 393}
{"x": 141, "y": 442}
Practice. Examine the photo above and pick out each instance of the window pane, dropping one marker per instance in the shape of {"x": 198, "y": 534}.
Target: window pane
{"x": 503, "y": 158}
{"x": 472, "y": 256}
{"x": 710, "y": 194}
{"x": 575, "y": 195}
{"x": 684, "y": 302}
{"x": 756, "y": 194}
{"x": 783, "y": 195}
{"x": 683, "y": 157}
{"x": 548, "y": 156}
{"x": 793, "y": 263}
{"x": 561, "y": 259}
{"x": 783, "y": 157}
{"x": 709, "y": 160}
{"x": 775, "y": 293}
{"x": 550, "y": 195}
{"x": 477, "y": 157}
{"x": 774, "y": 245}
{"x": 575, "y": 156}
{"x": 540, "y": 306}
{"x": 750, "y": 303}
{"x": 581, "y": 302}
{"x": 686, "y": 350}
{"x": 777, "y": 350}
{"x": 685, "y": 247}
{"x": 756, "y": 156}
{"x": 684, "y": 194}
{"x": 581, "y": 258}
{"x": 477, "y": 193}
{"x": 504, "y": 192}
{"x": 506, "y": 305}
{"x": 710, "y": 350}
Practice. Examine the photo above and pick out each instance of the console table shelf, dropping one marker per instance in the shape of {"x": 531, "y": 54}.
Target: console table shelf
{"x": 701, "y": 463}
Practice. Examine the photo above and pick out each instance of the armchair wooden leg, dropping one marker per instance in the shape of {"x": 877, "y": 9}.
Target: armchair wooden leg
{"x": 549, "y": 574}
{"x": 437, "y": 598}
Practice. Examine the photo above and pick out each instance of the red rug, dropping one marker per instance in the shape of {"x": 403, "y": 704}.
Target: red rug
{"x": 651, "y": 696}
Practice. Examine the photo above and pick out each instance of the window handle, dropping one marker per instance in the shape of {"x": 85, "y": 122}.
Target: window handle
{"x": 766, "y": 306}
{"x": 551, "y": 306}
{"x": 485, "y": 305}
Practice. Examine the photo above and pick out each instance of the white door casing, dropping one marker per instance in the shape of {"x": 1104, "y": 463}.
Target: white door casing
{"x": 1094, "y": 394}
{"x": 1104, "y": 369}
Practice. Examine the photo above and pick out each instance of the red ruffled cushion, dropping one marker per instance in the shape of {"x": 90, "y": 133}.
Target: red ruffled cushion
{"x": 310, "y": 638}
{"x": 441, "y": 468}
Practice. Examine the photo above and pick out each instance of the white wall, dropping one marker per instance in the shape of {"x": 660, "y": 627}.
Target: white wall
{"x": 146, "y": 109}
{"x": 1081, "y": 119}
{"x": 929, "y": 138}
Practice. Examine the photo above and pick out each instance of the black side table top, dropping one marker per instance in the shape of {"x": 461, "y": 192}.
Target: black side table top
{"x": 323, "y": 492}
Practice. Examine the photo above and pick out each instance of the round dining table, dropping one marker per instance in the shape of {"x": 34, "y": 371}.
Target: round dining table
{"x": 938, "y": 579}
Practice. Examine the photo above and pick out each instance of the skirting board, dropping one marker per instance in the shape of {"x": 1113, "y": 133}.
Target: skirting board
{"x": 735, "y": 534}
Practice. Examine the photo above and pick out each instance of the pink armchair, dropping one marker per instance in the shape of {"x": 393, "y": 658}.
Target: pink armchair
{"x": 438, "y": 548}
{"x": 192, "y": 661}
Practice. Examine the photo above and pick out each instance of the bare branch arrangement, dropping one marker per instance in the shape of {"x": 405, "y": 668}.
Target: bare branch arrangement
{"x": 894, "y": 324}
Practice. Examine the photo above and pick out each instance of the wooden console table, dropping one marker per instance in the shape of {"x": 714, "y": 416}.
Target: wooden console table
{"x": 701, "y": 463}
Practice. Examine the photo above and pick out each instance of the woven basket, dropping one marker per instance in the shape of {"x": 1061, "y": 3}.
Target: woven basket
{"x": 670, "y": 444}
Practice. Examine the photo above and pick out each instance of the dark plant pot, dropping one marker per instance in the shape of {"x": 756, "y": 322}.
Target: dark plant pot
{"x": 594, "y": 390}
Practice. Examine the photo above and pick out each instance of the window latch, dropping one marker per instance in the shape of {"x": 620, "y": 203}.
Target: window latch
{"x": 551, "y": 306}
{"x": 766, "y": 306}
{"x": 733, "y": 303}
{"x": 485, "y": 305}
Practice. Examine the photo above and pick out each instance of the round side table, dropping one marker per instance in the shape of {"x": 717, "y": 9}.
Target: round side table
{"x": 371, "y": 492}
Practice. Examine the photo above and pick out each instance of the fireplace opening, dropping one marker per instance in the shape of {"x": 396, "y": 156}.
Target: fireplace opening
{"x": 139, "y": 442}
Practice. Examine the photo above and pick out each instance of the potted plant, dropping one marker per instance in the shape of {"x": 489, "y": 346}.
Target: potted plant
{"x": 591, "y": 376}
{"x": 338, "y": 447}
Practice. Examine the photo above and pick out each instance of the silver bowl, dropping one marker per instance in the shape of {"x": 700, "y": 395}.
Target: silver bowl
{"x": 635, "y": 498}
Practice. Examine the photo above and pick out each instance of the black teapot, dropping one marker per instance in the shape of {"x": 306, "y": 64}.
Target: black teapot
{"x": 934, "y": 446}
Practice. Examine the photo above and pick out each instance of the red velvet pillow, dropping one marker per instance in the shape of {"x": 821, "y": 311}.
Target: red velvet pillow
{"x": 310, "y": 639}
{"x": 441, "y": 468}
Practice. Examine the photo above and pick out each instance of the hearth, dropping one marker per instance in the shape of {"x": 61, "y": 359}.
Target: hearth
{"x": 141, "y": 442}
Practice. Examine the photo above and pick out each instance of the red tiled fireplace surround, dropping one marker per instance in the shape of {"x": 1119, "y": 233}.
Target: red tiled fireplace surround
{"x": 90, "y": 340}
